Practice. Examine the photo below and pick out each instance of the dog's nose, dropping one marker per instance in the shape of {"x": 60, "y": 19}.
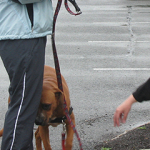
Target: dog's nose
{"x": 39, "y": 121}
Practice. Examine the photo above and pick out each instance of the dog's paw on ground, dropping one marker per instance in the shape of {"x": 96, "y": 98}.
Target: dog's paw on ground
{"x": 136, "y": 139}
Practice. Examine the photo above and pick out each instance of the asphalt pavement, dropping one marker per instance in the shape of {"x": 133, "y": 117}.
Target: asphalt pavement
{"x": 104, "y": 57}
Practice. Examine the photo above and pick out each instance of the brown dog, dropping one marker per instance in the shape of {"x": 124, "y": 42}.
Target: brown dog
{"x": 51, "y": 110}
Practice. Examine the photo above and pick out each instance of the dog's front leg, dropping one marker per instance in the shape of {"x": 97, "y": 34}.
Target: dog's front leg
{"x": 38, "y": 140}
{"x": 1, "y": 132}
{"x": 70, "y": 133}
{"x": 44, "y": 133}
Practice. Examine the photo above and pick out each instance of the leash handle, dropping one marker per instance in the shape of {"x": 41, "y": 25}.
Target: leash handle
{"x": 58, "y": 73}
{"x": 75, "y": 5}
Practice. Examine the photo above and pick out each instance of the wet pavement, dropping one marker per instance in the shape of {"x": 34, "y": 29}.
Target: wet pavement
{"x": 104, "y": 56}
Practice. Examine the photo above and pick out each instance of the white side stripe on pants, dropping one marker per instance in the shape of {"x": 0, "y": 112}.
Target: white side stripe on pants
{"x": 14, "y": 133}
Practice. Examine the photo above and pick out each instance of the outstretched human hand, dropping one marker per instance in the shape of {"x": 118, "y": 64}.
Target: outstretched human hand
{"x": 122, "y": 111}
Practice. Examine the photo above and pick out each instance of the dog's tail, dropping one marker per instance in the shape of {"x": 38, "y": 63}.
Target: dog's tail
{"x": 1, "y": 132}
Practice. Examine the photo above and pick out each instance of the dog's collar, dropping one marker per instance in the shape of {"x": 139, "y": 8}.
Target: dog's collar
{"x": 62, "y": 119}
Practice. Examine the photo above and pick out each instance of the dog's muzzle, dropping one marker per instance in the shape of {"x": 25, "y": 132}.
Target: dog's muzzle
{"x": 62, "y": 119}
{"x": 40, "y": 121}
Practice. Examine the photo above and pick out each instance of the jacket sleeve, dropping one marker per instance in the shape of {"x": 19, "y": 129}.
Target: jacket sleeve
{"x": 29, "y": 1}
{"x": 16, "y": 1}
{"x": 142, "y": 93}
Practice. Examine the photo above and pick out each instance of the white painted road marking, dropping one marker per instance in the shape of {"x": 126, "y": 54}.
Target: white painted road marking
{"x": 121, "y": 69}
{"x": 117, "y": 41}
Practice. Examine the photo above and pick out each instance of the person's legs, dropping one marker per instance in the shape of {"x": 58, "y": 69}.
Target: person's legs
{"x": 24, "y": 62}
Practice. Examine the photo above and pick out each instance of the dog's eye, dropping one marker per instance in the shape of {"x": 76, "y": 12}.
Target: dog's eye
{"x": 46, "y": 106}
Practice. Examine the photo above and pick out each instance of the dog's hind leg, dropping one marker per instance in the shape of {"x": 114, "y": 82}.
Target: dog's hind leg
{"x": 44, "y": 133}
{"x": 70, "y": 133}
{"x": 38, "y": 140}
{"x": 1, "y": 132}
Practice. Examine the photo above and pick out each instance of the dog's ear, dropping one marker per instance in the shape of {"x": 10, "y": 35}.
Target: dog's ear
{"x": 57, "y": 95}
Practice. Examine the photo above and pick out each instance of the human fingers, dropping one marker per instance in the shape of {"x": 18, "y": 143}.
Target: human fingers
{"x": 117, "y": 117}
{"x": 125, "y": 115}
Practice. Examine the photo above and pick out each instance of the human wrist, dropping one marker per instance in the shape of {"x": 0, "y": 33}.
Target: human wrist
{"x": 131, "y": 99}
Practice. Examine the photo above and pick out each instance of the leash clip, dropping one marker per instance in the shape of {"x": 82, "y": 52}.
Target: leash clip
{"x": 63, "y": 135}
{"x": 64, "y": 127}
